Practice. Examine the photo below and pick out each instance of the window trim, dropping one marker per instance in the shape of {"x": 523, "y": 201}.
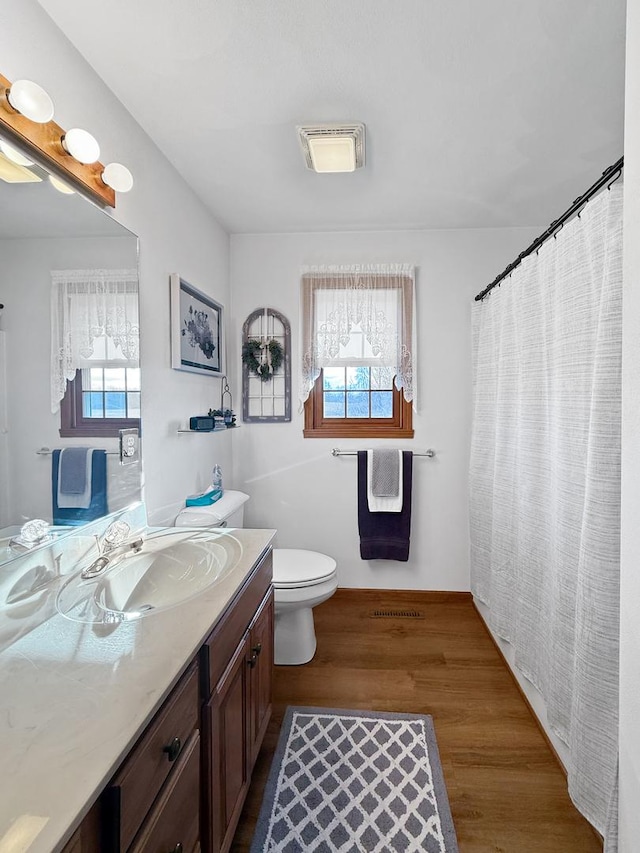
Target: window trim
{"x": 72, "y": 422}
{"x": 317, "y": 426}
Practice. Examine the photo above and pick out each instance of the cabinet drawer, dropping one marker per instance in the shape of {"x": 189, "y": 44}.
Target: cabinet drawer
{"x": 137, "y": 783}
{"x": 223, "y": 640}
{"x": 173, "y": 824}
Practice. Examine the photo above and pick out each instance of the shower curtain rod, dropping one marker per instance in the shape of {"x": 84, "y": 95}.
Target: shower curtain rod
{"x": 557, "y": 224}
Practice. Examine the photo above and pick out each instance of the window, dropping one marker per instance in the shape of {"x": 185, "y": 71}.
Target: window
{"x": 101, "y": 401}
{"x": 354, "y": 402}
{"x": 357, "y": 366}
{"x": 95, "y": 373}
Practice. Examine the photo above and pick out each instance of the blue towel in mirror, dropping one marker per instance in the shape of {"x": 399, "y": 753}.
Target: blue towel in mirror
{"x": 73, "y": 516}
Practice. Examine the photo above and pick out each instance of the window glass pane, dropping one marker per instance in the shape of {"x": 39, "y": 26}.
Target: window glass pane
{"x": 133, "y": 404}
{"x": 333, "y": 379}
{"x": 92, "y": 379}
{"x": 114, "y": 379}
{"x": 133, "y": 378}
{"x": 381, "y": 378}
{"x": 381, "y": 404}
{"x": 92, "y": 404}
{"x": 333, "y": 404}
{"x": 357, "y": 378}
{"x": 357, "y": 404}
{"x": 114, "y": 404}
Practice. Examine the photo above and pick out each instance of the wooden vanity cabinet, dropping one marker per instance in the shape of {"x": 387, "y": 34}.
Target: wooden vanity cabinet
{"x": 152, "y": 803}
{"x": 182, "y": 786}
{"x": 237, "y": 705}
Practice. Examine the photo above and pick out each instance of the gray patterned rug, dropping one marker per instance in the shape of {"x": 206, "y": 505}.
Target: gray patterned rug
{"x": 355, "y": 781}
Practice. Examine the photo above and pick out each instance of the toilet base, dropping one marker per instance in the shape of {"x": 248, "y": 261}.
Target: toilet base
{"x": 295, "y": 636}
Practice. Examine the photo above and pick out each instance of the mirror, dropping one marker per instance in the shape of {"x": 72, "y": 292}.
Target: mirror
{"x": 42, "y": 229}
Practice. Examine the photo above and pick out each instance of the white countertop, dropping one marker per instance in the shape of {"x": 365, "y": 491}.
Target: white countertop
{"x": 75, "y": 697}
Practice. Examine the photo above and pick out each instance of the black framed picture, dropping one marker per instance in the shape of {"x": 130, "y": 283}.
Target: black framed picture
{"x": 197, "y": 330}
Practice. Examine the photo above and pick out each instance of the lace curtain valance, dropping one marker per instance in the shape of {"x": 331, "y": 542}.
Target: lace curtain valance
{"x": 377, "y": 303}
{"x": 87, "y": 305}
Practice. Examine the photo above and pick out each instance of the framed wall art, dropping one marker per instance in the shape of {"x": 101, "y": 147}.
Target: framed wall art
{"x": 197, "y": 330}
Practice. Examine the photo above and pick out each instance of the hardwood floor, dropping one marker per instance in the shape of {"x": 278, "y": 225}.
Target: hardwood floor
{"x": 506, "y": 790}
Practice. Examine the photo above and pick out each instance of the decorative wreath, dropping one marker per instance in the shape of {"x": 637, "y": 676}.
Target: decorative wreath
{"x": 263, "y": 358}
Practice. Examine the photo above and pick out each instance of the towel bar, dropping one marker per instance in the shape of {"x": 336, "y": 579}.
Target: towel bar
{"x": 337, "y": 452}
{"x": 47, "y": 451}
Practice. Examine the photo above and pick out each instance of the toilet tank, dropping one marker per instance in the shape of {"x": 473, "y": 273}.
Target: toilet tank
{"x": 226, "y": 512}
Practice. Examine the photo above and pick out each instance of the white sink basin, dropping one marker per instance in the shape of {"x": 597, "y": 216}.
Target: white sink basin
{"x": 172, "y": 567}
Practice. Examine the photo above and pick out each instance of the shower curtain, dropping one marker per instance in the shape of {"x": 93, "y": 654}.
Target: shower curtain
{"x": 545, "y": 485}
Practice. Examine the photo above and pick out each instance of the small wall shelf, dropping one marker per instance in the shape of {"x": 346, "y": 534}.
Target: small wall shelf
{"x": 208, "y": 431}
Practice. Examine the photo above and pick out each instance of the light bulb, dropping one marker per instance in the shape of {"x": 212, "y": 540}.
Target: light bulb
{"x": 81, "y": 145}
{"x": 60, "y": 185}
{"x": 31, "y": 101}
{"x": 14, "y": 155}
{"x": 118, "y": 177}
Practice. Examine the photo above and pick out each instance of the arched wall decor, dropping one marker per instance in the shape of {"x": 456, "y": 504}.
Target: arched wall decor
{"x": 266, "y": 398}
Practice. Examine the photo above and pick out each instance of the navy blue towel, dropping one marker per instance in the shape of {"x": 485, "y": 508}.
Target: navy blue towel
{"x": 98, "y": 506}
{"x": 385, "y": 535}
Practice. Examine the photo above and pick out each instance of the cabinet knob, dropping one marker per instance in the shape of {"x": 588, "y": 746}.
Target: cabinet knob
{"x": 257, "y": 649}
{"x": 173, "y": 751}
{"x": 253, "y": 660}
{"x": 178, "y": 848}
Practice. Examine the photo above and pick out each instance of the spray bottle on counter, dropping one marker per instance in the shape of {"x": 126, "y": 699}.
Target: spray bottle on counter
{"x": 216, "y": 479}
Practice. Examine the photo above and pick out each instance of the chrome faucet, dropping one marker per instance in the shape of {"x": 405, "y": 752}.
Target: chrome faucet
{"x": 112, "y": 545}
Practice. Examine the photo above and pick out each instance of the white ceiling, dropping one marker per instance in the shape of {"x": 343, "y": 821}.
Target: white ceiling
{"x": 478, "y": 112}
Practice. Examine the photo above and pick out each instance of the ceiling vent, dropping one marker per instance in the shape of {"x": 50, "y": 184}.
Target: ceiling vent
{"x": 332, "y": 147}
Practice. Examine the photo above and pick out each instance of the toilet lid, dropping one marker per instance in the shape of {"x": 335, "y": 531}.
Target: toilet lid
{"x": 294, "y": 567}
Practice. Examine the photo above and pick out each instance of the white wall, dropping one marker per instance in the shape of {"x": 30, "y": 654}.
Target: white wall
{"x": 295, "y": 484}
{"x": 25, "y": 284}
{"x": 629, "y": 828}
{"x": 177, "y": 234}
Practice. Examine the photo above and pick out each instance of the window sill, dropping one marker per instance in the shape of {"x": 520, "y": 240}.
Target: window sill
{"x": 358, "y": 432}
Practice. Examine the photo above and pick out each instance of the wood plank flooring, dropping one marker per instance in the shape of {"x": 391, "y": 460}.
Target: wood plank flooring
{"x": 506, "y": 790}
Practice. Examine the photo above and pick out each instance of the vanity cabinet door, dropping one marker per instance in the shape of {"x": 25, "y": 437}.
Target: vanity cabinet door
{"x": 86, "y": 839}
{"x": 261, "y": 676}
{"x": 226, "y": 727}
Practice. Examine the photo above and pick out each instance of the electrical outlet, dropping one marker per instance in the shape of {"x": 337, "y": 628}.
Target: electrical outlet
{"x": 129, "y": 446}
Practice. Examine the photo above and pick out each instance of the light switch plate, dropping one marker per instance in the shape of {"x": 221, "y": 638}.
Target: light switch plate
{"x": 129, "y": 446}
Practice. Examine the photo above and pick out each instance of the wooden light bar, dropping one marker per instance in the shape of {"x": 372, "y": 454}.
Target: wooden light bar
{"x": 44, "y": 142}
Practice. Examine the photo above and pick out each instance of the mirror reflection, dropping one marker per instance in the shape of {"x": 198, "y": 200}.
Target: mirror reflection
{"x": 69, "y": 357}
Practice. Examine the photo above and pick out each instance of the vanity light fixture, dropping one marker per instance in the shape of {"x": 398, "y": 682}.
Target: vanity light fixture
{"x": 81, "y": 145}
{"x": 26, "y": 118}
{"x": 13, "y": 173}
{"x": 31, "y": 101}
{"x": 118, "y": 177}
{"x": 14, "y": 155}
{"x": 332, "y": 147}
{"x": 60, "y": 185}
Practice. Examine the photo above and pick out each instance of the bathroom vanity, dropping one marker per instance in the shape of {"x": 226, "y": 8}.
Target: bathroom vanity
{"x": 141, "y": 735}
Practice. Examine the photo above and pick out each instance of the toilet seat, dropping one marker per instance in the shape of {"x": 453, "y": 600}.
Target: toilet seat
{"x": 295, "y": 568}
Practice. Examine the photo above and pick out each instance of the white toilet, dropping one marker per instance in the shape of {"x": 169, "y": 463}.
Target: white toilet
{"x": 301, "y": 579}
